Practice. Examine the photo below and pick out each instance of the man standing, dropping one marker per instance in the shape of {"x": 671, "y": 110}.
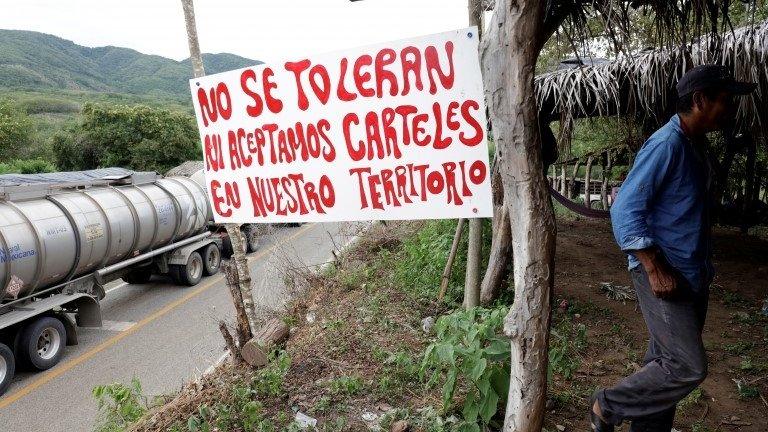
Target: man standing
{"x": 661, "y": 220}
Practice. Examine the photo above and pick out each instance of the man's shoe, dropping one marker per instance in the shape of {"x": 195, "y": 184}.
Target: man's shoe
{"x": 595, "y": 421}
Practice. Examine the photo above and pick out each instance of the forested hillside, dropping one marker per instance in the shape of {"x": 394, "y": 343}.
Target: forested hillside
{"x": 31, "y": 60}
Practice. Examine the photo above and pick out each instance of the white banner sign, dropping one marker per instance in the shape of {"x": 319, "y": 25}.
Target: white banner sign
{"x": 390, "y": 131}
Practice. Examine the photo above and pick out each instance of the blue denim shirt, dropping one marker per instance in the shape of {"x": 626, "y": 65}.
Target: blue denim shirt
{"x": 664, "y": 203}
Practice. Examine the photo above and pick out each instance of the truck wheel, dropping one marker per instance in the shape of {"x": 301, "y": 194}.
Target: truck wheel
{"x": 251, "y": 238}
{"x": 42, "y": 342}
{"x": 190, "y": 273}
{"x": 139, "y": 276}
{"x": 211, "y": 259}
{"x": 7, "y": 367}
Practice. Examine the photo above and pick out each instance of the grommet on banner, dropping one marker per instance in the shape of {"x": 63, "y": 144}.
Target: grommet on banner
{"x": 469, "y": 35}
{"x": 198, "y": 83}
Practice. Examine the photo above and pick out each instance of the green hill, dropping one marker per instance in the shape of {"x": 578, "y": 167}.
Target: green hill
{"x": 37, "y": 61}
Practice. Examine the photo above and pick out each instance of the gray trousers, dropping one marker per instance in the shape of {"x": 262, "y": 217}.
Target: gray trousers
{"x": 674, "y": 364}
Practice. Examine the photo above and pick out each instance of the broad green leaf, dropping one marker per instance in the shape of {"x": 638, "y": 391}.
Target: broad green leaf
{"x": 448, "y": 388}
{"x": 471, "y": 407}
{"x": 488, "y": 406}
{"x": 478, "y": 369}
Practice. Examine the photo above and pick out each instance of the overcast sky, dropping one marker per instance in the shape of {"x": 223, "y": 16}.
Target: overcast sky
{"x": 258, "y": 29}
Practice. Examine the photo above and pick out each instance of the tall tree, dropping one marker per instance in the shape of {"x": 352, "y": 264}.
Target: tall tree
{"x": 509, "y": 59}
{"x": 243, "y": 273}
{"x": 509, "y": 55}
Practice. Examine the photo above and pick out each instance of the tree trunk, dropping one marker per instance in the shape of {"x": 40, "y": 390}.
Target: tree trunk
{"x": 749, "y": 180}
{"x": 604, "y": 187}
{"x": 498, "y": 261}
{"x": 474, "y": 252}
{"x": 256, "y": 351}
{"x": 475, "y": 237}
{"x": 758, "y": 183}
{"x": 509, "y": 59}
{"x": 587, "y": 183}
{"x": 233, "y": 230}
{"x": 572, "y": 184}
{"x": 451, "y": 257}
{"x": 563, "y": 180}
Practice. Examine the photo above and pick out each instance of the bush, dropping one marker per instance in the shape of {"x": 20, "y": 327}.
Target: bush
{"x": 141, "y": 137}
{"x": 16, "y": 130}
{"x": 420, "y": 271}
{"x": 137, "y": 137}
{"x": 26, "y": 166}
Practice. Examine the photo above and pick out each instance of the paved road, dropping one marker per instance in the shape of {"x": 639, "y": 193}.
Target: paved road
{"x": 162, "y": 334}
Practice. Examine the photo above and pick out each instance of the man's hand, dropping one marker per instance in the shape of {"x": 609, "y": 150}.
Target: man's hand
{"x": 660, "y": 275}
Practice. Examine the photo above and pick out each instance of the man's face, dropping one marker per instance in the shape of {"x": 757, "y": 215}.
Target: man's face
{"x": 718, "y": 112}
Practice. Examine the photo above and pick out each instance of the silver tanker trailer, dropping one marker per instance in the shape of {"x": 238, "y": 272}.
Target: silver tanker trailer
{"x": 63, "y": 236}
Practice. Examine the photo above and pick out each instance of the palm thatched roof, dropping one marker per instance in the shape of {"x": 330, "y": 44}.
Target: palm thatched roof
{"x": 644, "y": 84}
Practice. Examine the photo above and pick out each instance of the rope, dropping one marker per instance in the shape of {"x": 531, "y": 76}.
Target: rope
{"x": 576, "y": 208}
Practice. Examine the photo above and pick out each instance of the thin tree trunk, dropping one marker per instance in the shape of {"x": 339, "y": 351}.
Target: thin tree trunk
{"x": 604, "y": 188}
{"x": 451, "y": 257}
{"x": 572, "y": 183}
{"x": 475, "y": 237}
{"x": 749, "y": 180}
{"x": 509, "y": 59}
{"x": 563, "y": 181}
{"x": 587, "y": 183}
{"x": 758, "y": 183}
{"x": 498, "y": 261}
{"x": 233, "y": 230}
{"x": 474, "y": 252}
{"x": 501, "y": 243}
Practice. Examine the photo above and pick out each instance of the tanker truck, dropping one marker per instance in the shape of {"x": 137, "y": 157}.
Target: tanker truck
{"x": 63, "y": 236}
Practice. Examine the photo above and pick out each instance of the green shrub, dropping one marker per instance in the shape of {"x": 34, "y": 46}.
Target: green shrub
{"x": 138, "y": 137}
{"x": 16, "y": 130}
{"x": 425, "y": 254}
{"x": 26, "y": 166}
{"x": 470, "y": 350}
{"x": 119, "y": 405}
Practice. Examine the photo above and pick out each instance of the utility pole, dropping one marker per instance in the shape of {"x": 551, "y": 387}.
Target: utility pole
{"x": 242, "y": 274}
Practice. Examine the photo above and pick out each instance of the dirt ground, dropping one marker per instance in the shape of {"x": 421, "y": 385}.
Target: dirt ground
{"x": 735, "y": 333}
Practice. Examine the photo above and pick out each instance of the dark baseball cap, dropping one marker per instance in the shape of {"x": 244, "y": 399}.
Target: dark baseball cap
{"x": 718, "y": 77}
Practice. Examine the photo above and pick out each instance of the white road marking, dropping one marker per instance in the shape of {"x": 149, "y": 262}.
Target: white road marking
{"x": 216, "y": 363}
{"x": 117, "y": 326}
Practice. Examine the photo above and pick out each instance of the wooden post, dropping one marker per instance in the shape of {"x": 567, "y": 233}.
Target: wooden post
{"x": 475, "y": 237}
{"x": 509, "y": 60}
{"x": 587, "y": 183}
{"x": 233, "y": 230}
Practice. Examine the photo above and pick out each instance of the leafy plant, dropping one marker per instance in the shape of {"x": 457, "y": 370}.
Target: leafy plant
{"x": 691, "y": 400}
{"x": 119, "y": 405}
{"x": 269, "y": 380}
{"x": 469, "y": 348}
{"x": 349, "y": 385}
{"x": 739, "y": 348}
{"x": 565, "y": 342}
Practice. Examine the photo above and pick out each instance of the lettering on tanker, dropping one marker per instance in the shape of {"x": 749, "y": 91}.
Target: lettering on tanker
{"x": 15, "y": 252}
